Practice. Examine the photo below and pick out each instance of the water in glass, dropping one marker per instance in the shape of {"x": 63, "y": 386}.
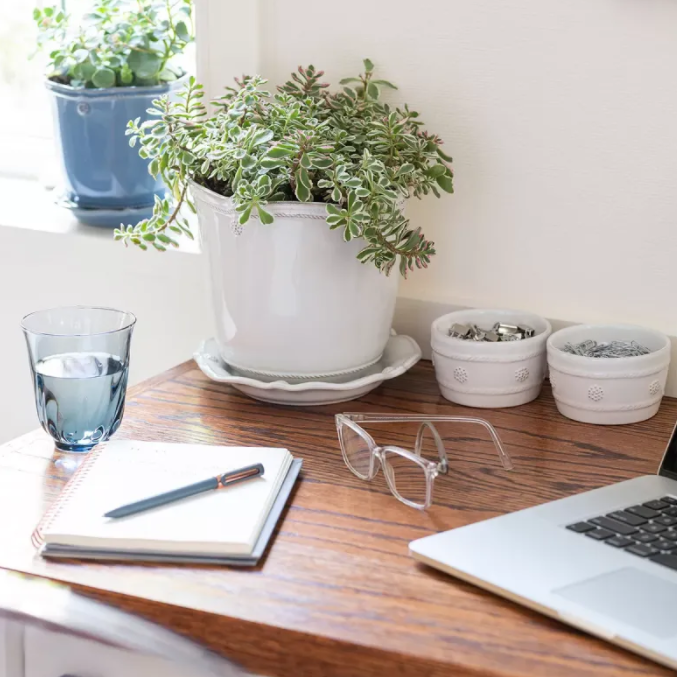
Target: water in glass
{"x": 80, "y": 397}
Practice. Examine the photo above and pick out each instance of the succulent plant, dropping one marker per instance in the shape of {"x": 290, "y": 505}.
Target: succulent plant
{"x": 359, "y": 155}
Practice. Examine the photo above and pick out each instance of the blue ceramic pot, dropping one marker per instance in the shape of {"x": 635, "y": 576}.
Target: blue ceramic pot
{"x": 100, "y": 170}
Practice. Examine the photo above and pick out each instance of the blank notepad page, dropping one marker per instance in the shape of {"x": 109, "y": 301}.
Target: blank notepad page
{"x": 220, "y": 522}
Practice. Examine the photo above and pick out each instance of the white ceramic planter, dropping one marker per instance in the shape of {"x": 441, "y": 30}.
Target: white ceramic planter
{"x": 479, "y": 374}
{"x": 608, "y": 391}
{"x": 291, "y": 299}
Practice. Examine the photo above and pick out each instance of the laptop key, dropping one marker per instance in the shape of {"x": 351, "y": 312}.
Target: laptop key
{"x": 670, "y": 512}
{"x": 627, "y": 518}
{"x": 666, "y": 560}
{"x": 669, "y": 499}
{"x": 670, "y": 535}
{"x": 620, "y": 541}
{"x": 664, "y": 544}
{"x": 642, "y": 550}
{"x": 653, "y": 528}
{"x": 645, "y": 538}
{"x": 582, "y": 527}
{"x": 656, "y": 505}
{"x": 643, "y": 511}
{"x": 599, "y": 534}
{"x": 613, "y": 525}
{"x": 666, "y": 520}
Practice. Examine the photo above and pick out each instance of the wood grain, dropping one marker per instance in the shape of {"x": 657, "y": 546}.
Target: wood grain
{"x": 338, "y": 595}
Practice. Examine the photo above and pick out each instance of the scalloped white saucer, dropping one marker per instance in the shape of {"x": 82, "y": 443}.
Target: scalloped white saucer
{"x": 401, "y": 353}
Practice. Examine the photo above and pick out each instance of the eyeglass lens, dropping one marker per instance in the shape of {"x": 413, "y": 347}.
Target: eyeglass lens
{"x": 407, "y": 478}
{"x": 357, "y": 451}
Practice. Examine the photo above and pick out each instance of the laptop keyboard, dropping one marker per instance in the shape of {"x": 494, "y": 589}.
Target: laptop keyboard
{"x": 647, "y": 530}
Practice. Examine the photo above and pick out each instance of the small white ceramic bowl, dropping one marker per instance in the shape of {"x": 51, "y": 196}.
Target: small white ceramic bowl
{"x": 483, "y": 374}
{"x": 608, "y": 391}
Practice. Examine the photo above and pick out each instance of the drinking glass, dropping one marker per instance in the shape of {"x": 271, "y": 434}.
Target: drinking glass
{"x": 79, "y": 359}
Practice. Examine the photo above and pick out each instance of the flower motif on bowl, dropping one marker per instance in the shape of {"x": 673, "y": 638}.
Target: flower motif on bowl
{"x": 460, "y": 374}
{"x": 595, "y": 393}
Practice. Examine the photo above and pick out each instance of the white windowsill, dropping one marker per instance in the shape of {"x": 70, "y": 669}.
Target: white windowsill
{"x": 27, "y": 204}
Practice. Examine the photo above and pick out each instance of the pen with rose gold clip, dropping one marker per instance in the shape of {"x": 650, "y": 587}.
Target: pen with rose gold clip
{"x": 218, "y": 482}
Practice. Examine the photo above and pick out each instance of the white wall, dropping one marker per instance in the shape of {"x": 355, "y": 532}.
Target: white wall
{"x": 561, "y": 117}
{"x": 70, "y": 266}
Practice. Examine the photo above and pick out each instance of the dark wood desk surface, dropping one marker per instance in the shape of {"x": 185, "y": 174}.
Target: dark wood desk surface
{"x": 338, "y": 594}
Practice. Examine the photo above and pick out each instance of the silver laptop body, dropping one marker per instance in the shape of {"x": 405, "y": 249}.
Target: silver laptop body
{"x": 536, "y": 558}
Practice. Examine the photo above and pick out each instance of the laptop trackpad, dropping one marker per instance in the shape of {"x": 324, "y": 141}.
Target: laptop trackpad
{"x": 631, "y": 596}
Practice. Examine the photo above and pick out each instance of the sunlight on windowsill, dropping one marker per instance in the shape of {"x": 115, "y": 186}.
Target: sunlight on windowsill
{"x": 26, "y": 203}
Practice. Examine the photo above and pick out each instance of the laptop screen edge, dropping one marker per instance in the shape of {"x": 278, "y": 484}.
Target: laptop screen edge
{"x": 668, "y": 467}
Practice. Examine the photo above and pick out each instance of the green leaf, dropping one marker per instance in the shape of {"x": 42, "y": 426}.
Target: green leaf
{"x": 81, "y": 55}
{"x": 345, "y": 81}
{"x": 303, "y": 177}
{"x": 244, "y": 217}
{"x": 302, "y": 189}
{"x": 126, "y": 75}
{"x": 321, "y": 162}
{"x": 182, "y": 31}
{"x": 280, "y": 152}
{"x": 443, "y": 155}
{"x": 87, "y": 70}
{"x": 333, "y": 209}
{"x": 271, "y": 163}
{"x": 103, "y": 78}
{"x": 237, "y": 179}
{"x": 144, "y": 64}
{"x": 372, "y": 90}
{"x": 266, "y": 217}
{"x": 436, "y": 170}
{"x": 305, "y": 161}
{"x": 384, "y": 83}
{"x": 167, "y": 75}
{"x": 248, "y": 161}
{"x": 406, "y": 168}
{"x": 368, "y": 65}
{"x": 445, "y": 182}
{"x": 262, "y": 136}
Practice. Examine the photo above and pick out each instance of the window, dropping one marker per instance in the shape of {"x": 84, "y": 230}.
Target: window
{"x": 25, "y": 122}
{"x": 26, "y": 127}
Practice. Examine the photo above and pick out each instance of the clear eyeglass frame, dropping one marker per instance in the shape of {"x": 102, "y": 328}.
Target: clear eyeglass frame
{"x": 379, "y": 455}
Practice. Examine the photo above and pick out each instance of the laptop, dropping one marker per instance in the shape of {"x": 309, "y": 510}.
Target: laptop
{"x": 604, "y": 561}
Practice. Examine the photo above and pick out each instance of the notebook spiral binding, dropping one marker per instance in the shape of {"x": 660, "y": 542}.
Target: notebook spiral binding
{"x": 37, "y": 538}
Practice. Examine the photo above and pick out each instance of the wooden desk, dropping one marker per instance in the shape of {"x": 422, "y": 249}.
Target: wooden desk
{"x": 338, "y": 594}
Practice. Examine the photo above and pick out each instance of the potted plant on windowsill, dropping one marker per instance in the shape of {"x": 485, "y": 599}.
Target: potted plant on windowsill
{"x": 299, "y": 199}
{"x": 105, "y": 69}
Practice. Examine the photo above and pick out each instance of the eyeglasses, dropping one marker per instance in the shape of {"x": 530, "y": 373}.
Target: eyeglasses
{"x": 410, "y": 477}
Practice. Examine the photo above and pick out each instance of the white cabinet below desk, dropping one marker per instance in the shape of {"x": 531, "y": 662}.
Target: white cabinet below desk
{"x": 50, "y": 654}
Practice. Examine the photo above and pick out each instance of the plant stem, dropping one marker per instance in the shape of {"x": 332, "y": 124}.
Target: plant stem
{"x": 177, "y": 208}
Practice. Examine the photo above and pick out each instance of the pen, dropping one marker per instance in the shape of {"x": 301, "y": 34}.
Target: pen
{"x": 218, "y": 482}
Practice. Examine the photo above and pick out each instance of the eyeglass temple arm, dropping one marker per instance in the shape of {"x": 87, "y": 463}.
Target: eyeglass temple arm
{"x": 442, "y": 452}
{"x": 415, "y": 418}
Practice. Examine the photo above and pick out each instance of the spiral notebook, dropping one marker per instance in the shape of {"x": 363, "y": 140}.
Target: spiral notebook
{"x": 230, "y": 526}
